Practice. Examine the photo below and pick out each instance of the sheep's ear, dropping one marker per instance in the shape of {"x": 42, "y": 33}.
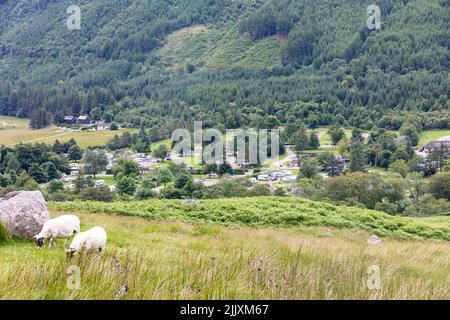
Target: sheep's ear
{"x": 36, "y": 237}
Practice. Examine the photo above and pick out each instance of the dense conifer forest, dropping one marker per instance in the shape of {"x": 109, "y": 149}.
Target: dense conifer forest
{"x": 254, "y": 63}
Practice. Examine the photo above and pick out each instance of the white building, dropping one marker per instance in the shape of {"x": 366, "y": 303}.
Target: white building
{"x": 292, "y": 178}
{"x": 101, "y": 126}
{"x": 100, "y": 183}
{"x": 74, "y": 166}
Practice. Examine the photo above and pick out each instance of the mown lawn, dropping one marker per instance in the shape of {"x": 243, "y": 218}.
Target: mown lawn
{"x": 175, "y": 260}
{"x": 14, "y": 131}
{"x": 432, "y": 135}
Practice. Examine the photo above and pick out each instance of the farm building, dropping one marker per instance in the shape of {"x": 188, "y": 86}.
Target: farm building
{"x": 430, "y": 146}
{"x": 102, "y": 126}
{"x": 84, "y": 119}
{"x": 70, "y": 120}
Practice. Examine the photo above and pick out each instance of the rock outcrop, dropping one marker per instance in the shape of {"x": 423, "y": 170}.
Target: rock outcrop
{"x": 24, "y": 213}
{"x": 374, "y": 241}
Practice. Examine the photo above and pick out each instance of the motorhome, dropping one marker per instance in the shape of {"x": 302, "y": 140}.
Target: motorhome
{"x": 100, "y": 183}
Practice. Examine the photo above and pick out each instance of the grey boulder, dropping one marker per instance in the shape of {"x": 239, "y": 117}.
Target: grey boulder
{"x": 24, "y": 213}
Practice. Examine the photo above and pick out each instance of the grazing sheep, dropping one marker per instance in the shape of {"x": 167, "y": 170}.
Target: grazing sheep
{"x": 61, "y": 227}
{"x": 92, "y": 239}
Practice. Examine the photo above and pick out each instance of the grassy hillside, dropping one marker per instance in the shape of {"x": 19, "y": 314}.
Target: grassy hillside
{"x": 173, "y": 260}
{"x": 212, "y": 48}
{"x": 14, "y": 131}
{"x": 267, "y": 211}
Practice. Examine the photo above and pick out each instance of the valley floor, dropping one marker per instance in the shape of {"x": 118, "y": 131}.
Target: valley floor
{"x": 174, "y": 260}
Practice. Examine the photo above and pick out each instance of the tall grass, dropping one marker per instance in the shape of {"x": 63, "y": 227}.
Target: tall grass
{"x": 4, "y": 236}
{"x": 267, "y": 211}
{"x": 172, "y": 260}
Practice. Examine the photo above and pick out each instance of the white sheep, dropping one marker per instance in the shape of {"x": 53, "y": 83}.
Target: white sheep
{"x": 62, "y": 227}
{"x": 92, "y": 239}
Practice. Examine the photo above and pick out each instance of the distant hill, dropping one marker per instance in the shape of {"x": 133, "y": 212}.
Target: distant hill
{"x": 231, "y": 63}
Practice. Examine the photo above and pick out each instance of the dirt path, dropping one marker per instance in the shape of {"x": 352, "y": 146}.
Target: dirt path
{"x": 291, "y": 156}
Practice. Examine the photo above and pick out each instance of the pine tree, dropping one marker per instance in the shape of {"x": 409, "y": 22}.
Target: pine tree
{"x": 314, "y": 142}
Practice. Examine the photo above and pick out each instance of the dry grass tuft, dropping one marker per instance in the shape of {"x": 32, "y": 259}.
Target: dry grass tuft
{"x": 171, "y": 260}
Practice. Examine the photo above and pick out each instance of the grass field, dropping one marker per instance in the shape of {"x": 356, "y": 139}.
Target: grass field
{"x": 14, "y": 131}
{"x": 432, "y": 135}
{"x": 175, "y": 260}
{"x": 268, "y": 211}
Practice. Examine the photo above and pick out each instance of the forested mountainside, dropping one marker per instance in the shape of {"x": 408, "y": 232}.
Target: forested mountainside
{"x": 230, "y": 63}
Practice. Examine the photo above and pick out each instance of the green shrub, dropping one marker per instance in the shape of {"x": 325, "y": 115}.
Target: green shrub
{"x": 4, "y": 236}
{"x": 264, "y": 211}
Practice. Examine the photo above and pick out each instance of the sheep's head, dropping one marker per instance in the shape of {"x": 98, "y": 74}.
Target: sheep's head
{"x": 39, "y": 241}
{"x": 70, "y": 253}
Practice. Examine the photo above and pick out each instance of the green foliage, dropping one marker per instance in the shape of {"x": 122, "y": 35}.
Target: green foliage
{"x": 4, "y": 236}
{"x": 279, "y": 192}
{"x": 55, "y": 186}
{"x": 126, "y": 186}
{"x": 427, "y": 205}
{"x": 358, "y": 157}
{"x": 126, "y": 168}
{"x": 274, "y": 211}
{"x": 5, "y": 180}
{"x": 40, "y": 118}
{"x": 182, "y": 179}
{"x": 75, "y": 153}
{"x": 145, "y": 190}
{"x": 163, "y": 176}
{"x": 301, "y": 141}
{"x": 336, "y": 134}
{"x": 400, "y": 167}
{"x": 13, "y": 166}
{"x": 308, "y": 168}
{"x": 314, "y": 142}
{"x": 357, "y": 187}
{"x": 299, "y": 48}
{"x": 440, "y": 185}
{"x": 97, "y": 194}
{"x": 259, "y": 191}
{"x": 94, "y": 162}
{"x": 274, "y": 17}
{"x": 160, "y": 151}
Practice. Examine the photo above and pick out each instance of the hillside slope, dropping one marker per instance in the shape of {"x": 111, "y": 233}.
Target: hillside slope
{"x": 173, "y": 260}
{"x": 227, "y": 62}
{"x": 268, "y": 211}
